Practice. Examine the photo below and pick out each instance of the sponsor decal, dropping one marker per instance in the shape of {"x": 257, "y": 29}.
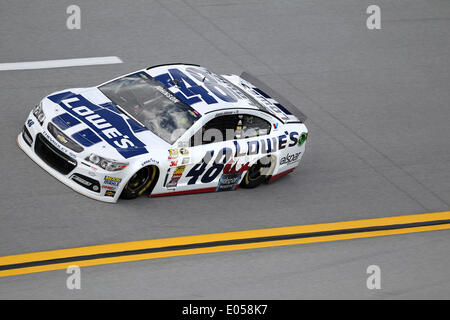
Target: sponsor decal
{"x": 179, "y": 170}
{"x": 228, "y": 182}
{"x": 173, "y": 163}
{"x": 90, "y": 167}
{"x": 275, "y": 125}
{"x": 184, "y": 151}
{"x": 173, "y": 154}
{"x": 176, "y": 177}
{"x": 149, "y": 161}
{"x": 193, "y": 113}
{"x": 230, "y": 167}
{"x": 267, "y": 145}
{"x": 110, "y": 126}
{"x": 110, "y": 193}
{"x": 30, "y": 122}
{"x": 225, "y": 113}
{"x": 290, "y": 158}
{"x": 185, "y": 160}
{"x": 168, "y": 95}
{"x": 112, "y": 181}
{"x": 183, "y": 144}
{"x": 302, "y": 139}
{"x": 108, "y": 187}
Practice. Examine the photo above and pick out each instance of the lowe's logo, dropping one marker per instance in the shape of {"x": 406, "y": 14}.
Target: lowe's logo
{"x": 110, "y": 126}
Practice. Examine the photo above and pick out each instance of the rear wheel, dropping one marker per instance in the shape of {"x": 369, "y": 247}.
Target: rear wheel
{"x": 258, "y": 173}
{"x": 139, "y": 183}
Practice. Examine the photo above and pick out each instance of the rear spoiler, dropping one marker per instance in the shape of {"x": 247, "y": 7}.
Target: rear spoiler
{"x": 289, "y": 110}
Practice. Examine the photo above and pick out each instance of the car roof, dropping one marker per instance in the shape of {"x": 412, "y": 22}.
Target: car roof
{"x": 204, "y": 97}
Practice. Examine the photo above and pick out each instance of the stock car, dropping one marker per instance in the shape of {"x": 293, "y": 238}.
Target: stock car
{"x": 165, "y": 130}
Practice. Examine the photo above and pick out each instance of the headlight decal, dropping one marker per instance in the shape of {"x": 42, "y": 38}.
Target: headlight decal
{"x": 107, "y": 164}
{"x": 39, "y": 113}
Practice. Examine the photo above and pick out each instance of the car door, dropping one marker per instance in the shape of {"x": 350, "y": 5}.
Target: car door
{"x": 207, "y": 154}
{"x": 221, "y": 152}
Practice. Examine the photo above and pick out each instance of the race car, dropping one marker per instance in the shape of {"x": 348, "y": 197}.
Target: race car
{"x": 165, "y": 130}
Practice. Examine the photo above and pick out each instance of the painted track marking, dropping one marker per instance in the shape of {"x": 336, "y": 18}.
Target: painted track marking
{"x": 62, "y": 63}
{"x": 220, "y": 242}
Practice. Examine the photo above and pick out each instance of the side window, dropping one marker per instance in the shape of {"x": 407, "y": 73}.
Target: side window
{"x": 218, "y": 129}
{"x": 231, "y": 127}
{"x": 253, "y": 126}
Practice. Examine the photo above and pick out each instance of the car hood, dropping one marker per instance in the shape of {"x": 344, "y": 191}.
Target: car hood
{"x": 87, "y": 116}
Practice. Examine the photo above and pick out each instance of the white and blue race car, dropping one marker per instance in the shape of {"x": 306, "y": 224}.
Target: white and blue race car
{"x": 165, "y": 130}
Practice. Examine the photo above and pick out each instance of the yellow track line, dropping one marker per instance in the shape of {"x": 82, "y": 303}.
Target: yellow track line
{"x": 187, "y": 240}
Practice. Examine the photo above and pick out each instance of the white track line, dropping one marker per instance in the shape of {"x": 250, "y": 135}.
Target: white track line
{"x": 46, "y": 64}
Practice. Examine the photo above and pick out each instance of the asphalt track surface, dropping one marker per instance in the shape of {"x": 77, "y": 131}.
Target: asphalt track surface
{"x": 378, "y": 112}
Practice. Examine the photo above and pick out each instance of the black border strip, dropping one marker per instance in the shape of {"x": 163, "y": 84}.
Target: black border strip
{"x": 221, "y": 243}
{"x": 173, "y": 64}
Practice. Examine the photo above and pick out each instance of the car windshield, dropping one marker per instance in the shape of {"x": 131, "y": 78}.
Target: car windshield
{"x": 149, "y": 102}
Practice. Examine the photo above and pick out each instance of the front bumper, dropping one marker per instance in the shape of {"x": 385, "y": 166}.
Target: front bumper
{"x": 67, "y": 167}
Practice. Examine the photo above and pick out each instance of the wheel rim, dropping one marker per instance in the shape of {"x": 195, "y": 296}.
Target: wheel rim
{"x": 255, "y": 171}
{"x": 139, "y": 180}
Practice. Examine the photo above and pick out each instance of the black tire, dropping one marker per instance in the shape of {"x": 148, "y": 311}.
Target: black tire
{"x": 139, "y": 182}
{"x": 258, "y": 173}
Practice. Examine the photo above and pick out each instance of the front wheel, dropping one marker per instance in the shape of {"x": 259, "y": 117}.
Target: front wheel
{"x": 139, "y": 183}
{"x": 257, "y": 174}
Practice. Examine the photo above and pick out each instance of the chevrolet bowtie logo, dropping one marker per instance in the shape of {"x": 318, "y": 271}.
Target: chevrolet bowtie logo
{"x": 61, "y": 139}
